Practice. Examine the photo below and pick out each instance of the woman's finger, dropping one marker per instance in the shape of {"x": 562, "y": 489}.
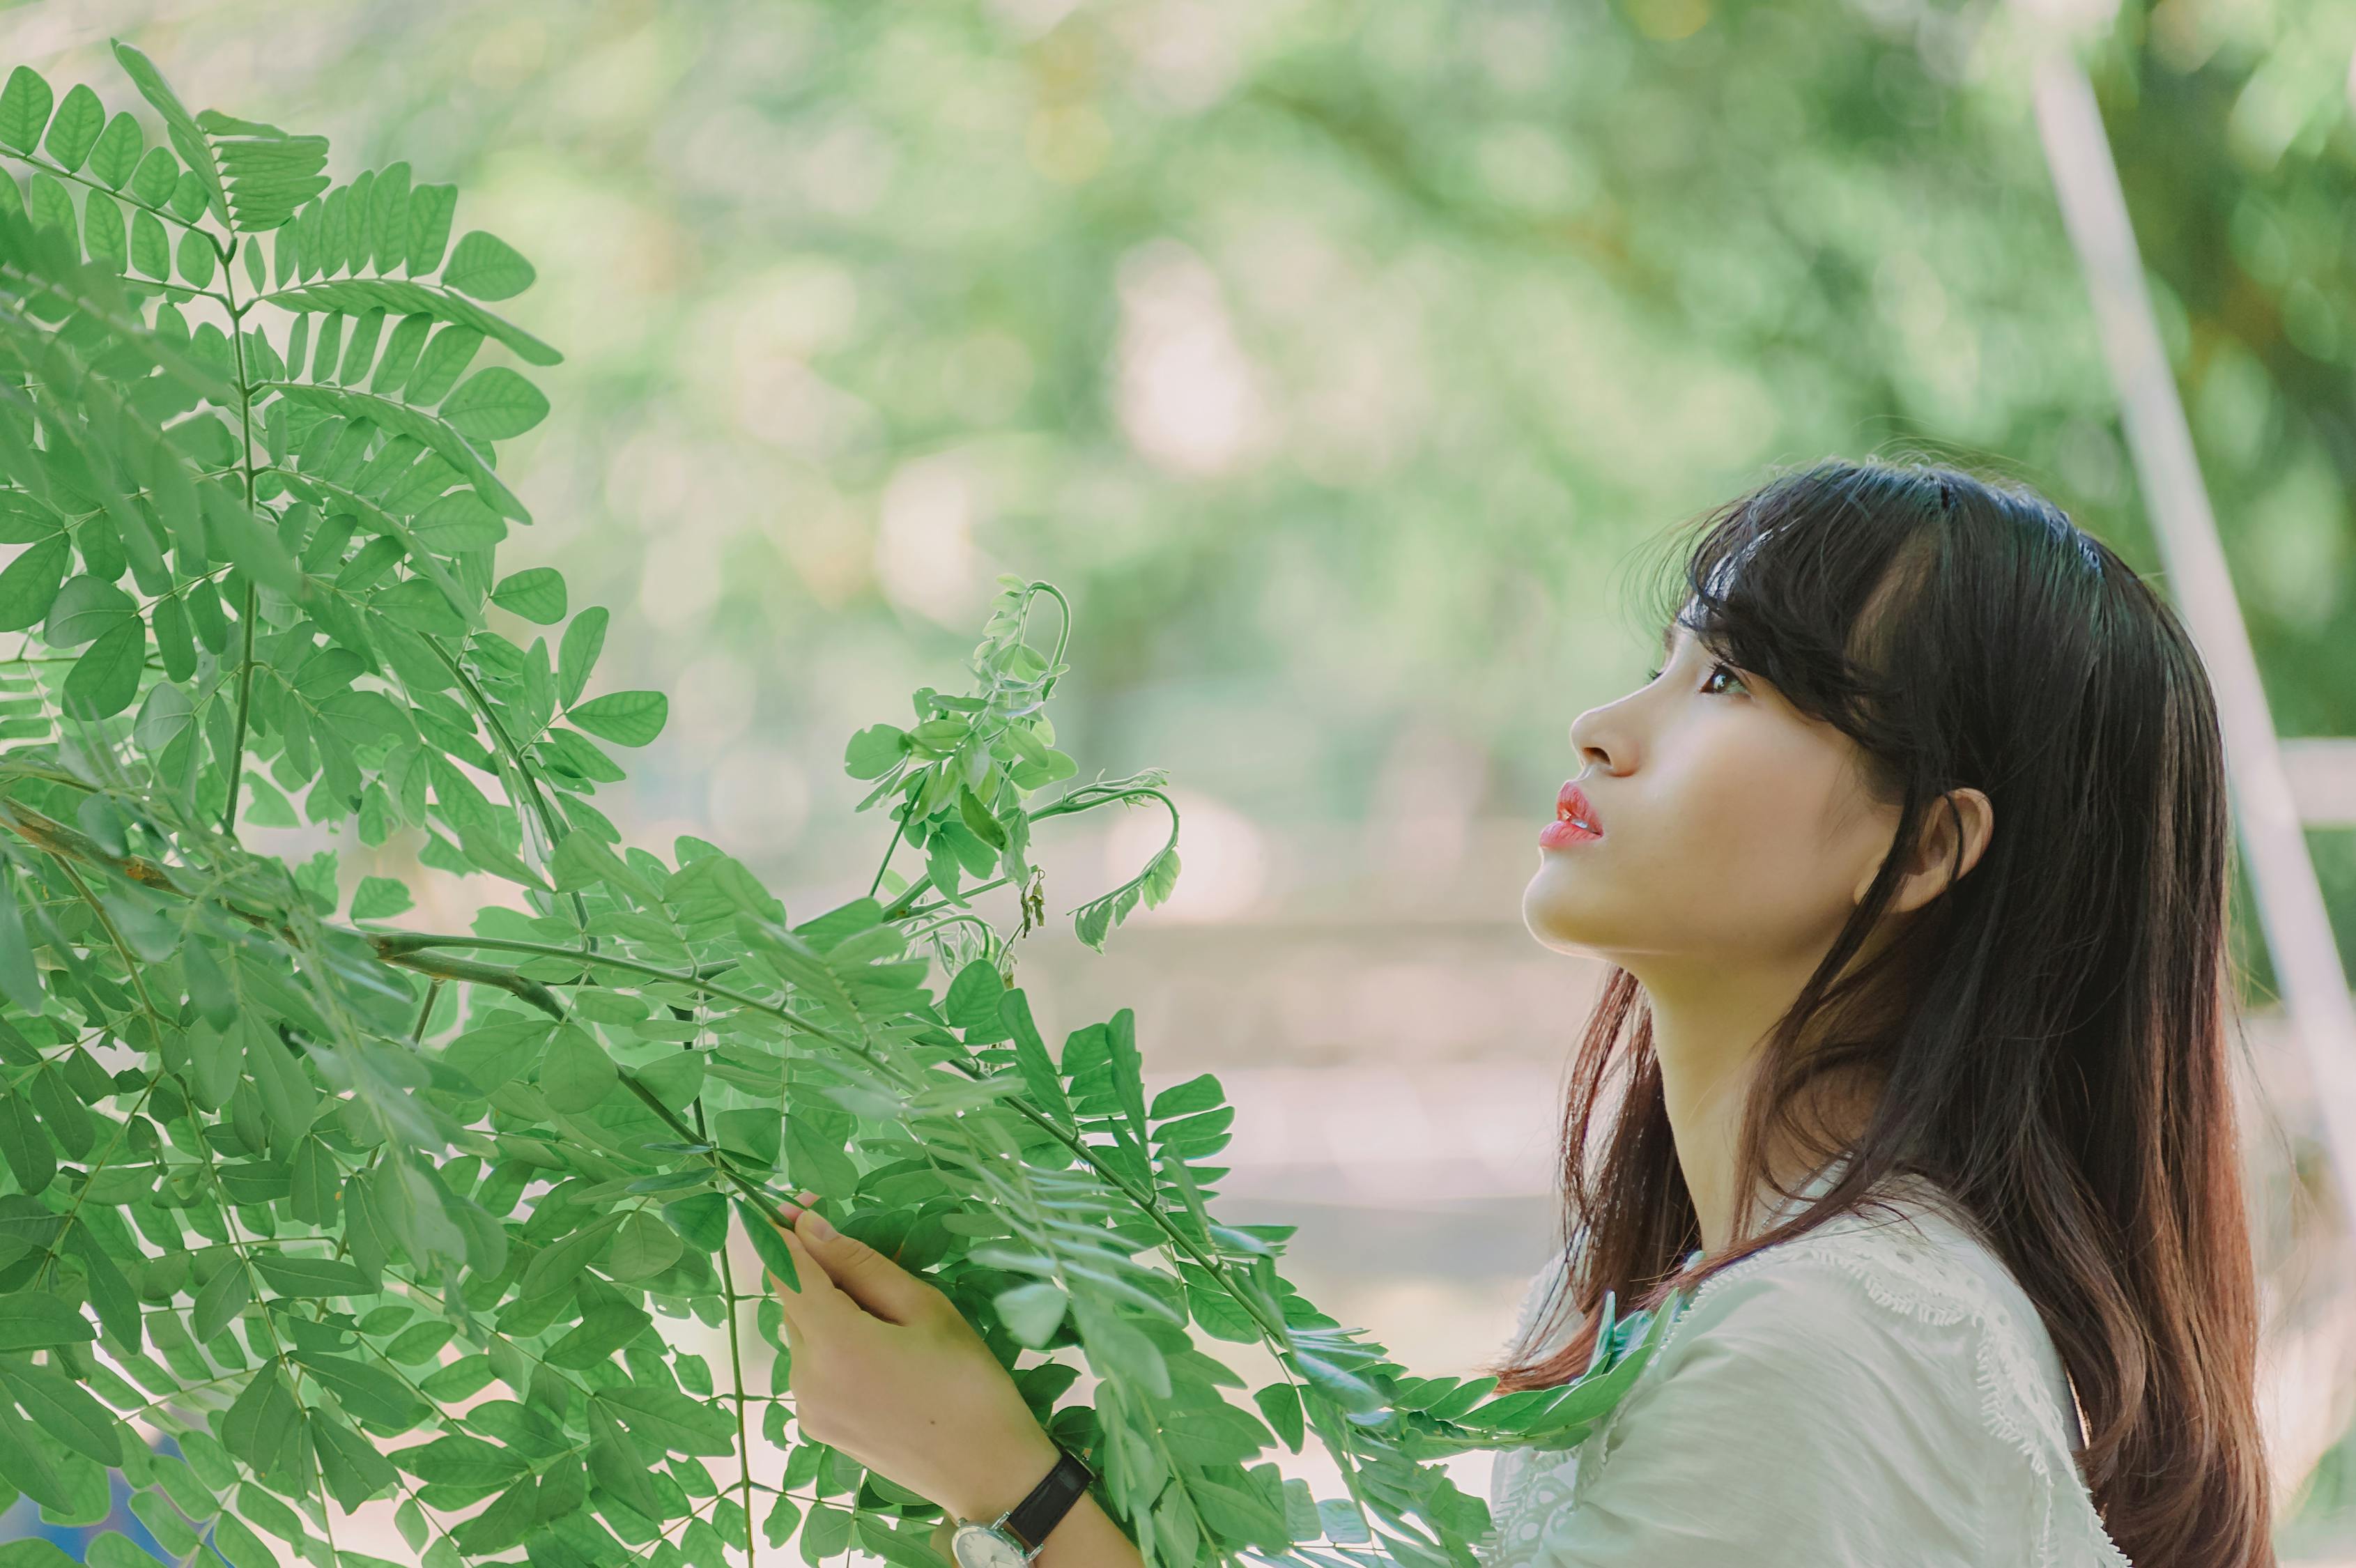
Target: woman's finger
{"x": 819, "y": 1303}
{"x": 868, "y": 1278}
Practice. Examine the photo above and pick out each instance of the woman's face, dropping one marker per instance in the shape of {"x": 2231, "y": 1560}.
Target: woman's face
{"x": 1732, "y": 829}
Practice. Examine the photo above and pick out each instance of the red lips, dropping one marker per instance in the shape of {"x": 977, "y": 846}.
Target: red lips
{"x": 1574, "y": 820}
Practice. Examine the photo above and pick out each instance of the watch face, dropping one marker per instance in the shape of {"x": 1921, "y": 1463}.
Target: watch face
{"x": 979, "y": 1546}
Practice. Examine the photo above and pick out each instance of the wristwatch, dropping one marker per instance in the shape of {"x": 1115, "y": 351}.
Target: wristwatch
{"x": 1014, "y": 1537}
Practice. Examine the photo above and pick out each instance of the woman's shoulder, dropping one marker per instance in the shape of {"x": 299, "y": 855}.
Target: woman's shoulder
{"x": 1910, "y": 1258}
{"x": 1908, "y": 1254}
{"x": 1908, "y": 1269}
{"x": 1902, "y": 1303}
{"x": 1883, "y": 1371}
{"x": 1872, "y": 1296}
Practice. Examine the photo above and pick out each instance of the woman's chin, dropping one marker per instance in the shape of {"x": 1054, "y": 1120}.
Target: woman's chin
{"x": 1555, "y": 915}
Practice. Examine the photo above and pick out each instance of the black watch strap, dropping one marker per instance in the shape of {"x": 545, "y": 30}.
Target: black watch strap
{"x": 1031, "y": 1520}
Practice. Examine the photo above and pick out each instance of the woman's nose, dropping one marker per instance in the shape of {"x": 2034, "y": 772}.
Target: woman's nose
{"x": 1600, "y": 740}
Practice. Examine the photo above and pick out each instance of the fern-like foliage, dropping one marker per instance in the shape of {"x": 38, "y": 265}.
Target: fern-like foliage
{"x": 357, "y": 1212}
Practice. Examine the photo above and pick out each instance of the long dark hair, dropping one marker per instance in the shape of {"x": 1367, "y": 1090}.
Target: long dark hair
{"x": 2047, "y": 1040}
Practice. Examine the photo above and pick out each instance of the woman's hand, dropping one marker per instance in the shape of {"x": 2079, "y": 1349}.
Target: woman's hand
{"x": 887, "y": 1370}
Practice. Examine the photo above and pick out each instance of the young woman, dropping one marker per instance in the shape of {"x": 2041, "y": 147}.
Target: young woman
{"x": 1912, "y": 861}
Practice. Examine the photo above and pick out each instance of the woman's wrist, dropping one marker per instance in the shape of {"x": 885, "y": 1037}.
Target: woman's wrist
{"x": 1013, "y": 1470}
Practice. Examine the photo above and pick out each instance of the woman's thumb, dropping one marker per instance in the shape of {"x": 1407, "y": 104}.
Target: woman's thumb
{"x": 861, "y": 1272}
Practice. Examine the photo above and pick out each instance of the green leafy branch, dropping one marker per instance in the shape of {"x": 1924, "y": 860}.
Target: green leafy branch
{"x": 336, "y": 1179}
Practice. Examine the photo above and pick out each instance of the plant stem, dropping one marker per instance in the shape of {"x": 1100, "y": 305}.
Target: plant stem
{"x": 898, "y": 831}
{"x": 736, "y": 1375}
{"x": 249, "y": 612}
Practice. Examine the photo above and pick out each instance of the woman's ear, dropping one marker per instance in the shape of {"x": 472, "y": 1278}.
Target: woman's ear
{"x": 1954, "y": 833}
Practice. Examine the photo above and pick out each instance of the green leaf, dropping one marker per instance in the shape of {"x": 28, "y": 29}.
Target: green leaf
{"x": 1201, "y": 1093}
{"x": 240, "y": 1545}
{"x": 577, "y": 1074}
{"x": 88, "y": 608}
{"x": 978, "y": 820}
{"x": 1280, "y": 1403}
{"x": 617, "y": 1465}
{"x": 1031, "y": 1058}
{"x": 20, "y": 981}
{"x": 446, "y": 357}
{"x": 287, "y": 1095}
{"x": 418, "y": 1345}
{"x": 105, "y": 681}
{"x": 29, "y": 586}
{"x": 34, "y": 1552}
{"x": 460, "y": 1461}
{"x": 702, "y": 1219}
{"x": 222, "y": 1299}
{"x": 41, "y": 1323}
{"x": 645, "y": 1246}
{"x": 310, "y": 1276}
{"x": 316, "y": 1183}
{"x": 777, "y": 1526}
{"x": 825, "y": 1533}
{"x": 25, "y": 1466}
{"x": 430, "y": 207}
{"x": 104, "y": 233}
{"x": 537, "y": 595}
{"x": 495, "y": 404}
{"x": 583, "y": 860}
{"x": 264, "y": 1425}
{"x": 576, "y": 656}
{"x": 973, "y": 1001}
{"x": 196, "y": 258}
{"x": 560, "y": 1263}
{"x": 231, "y": 524}
{"x": 25, "y": 1145}
{"x": 117, "y": 152}
{"x": 626, "y": 718}
{"x": 665, "y": 1420}
{"x": 75, "y": 131}
{"x": 353, "y": 1469}
{"x": 875, "y": 751}
{"x": 775, "y": 1256}
{"x": 486, "y": 267}
{"x": 462, "y": 1378}
{"x": 64, "y": 1410}
{"x": 379, "y": 897}
{"x": 155, "y": 178}
{"x": 370, "y": 1392}
{"x": 25, "y": 108}
{"x": 178, "y": 650}
{"x": 1219, "y": 1314}
{"x": 151, "y": 248}
{"x": 1031, "y": 1313}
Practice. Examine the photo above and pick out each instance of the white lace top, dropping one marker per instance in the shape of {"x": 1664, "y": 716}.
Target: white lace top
{"x": 1872, "y": 1393}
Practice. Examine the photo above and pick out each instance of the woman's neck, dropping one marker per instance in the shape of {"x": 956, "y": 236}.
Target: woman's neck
{"x": 1707, "y": 1039}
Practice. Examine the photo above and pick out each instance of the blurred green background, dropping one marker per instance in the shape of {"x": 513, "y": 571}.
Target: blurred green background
{"x": 1340, "y": 360}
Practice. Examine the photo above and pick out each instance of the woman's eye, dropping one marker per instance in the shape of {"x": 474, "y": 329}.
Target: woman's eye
{"x": 1715, "y": 672}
